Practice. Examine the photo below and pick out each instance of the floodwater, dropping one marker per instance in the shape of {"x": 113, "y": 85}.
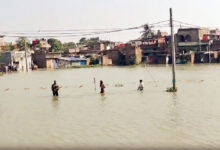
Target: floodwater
{"x": 123, "y": 118}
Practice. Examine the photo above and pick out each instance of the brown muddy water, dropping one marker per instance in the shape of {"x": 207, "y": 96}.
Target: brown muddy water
{"x": 124, "y": 118}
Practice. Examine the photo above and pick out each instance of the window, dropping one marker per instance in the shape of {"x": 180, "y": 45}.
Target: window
{"x": 181, "y": 38}
{"x": 188, "y": 38}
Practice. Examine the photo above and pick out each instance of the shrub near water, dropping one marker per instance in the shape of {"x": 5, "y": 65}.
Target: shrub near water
{"x": 171, "y": 89}
{"x": 94, "y": 61}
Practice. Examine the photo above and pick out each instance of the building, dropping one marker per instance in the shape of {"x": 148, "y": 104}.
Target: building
{"x": 46, "y": 60}
{"x": 203, "y": 45}
{"x": 45, "y": 45}
{"x": 106, "y": 45}
{"x": 110, "y": 57}
{"x": 155, "y": 49}
{"x": 72, "y": 62}
{"x": 74, "y": 50}
{"x": 17, "y": 59}
{"x": 192, "y": 39}
{"x": 41, "y": 44}
{"x": 126, "y": 56}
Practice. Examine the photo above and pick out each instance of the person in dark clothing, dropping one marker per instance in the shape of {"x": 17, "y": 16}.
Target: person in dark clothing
{"x": 102, "y": 87}
{"x": 55, "y": 88}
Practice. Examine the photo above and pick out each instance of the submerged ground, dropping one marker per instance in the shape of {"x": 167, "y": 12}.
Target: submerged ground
{"x": 124, "y": 118}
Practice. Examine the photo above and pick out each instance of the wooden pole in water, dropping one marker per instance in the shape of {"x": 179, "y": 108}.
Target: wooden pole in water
{"x": 94, "y": 83}
{"x": 173, "y": 50}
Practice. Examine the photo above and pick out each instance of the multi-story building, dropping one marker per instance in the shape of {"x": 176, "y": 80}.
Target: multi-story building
{"x": 201, "y": 44}
{"x": 191, "y": 39}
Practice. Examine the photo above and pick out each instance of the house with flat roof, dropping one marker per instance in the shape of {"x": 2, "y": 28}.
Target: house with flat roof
{"x": 191, "y": 39}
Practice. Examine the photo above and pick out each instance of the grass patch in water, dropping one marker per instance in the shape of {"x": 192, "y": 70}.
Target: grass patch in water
{"x": 171, "y": 89}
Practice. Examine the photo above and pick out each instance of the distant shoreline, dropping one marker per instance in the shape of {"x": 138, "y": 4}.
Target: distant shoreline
{"x": 101, "y": 66}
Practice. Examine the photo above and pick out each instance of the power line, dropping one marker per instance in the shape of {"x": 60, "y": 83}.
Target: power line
{"x": 70, "y": 34}
{"x": 88, "y": 32}
{"x": 186, "y": 23}
{"x": 65, "y": 34}
{"x": 74, "y": 31}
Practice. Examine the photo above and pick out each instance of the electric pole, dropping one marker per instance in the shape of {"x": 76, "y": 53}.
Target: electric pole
{"x": 173, "y": 51}
{"x": 25, "y": 47}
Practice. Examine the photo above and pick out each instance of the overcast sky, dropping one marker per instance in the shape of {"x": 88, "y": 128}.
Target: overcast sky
{"x": 83, "y": 14}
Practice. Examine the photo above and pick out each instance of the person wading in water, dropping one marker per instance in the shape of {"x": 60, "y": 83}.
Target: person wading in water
{"x": 55, "y": 88}
{"x": 102, "y": 87}
{"x": 141, "y": 86}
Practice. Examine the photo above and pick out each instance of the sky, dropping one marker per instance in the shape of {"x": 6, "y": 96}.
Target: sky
{"x": 26, "y": 15}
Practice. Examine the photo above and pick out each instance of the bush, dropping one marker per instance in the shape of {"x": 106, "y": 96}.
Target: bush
{"x": 94, "y": 61}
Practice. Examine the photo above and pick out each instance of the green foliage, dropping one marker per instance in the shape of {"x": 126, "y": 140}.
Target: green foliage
{"x": 90, "y": 42}
{"x": 93, "y": 41}
{"x": 69, "y": 45}
{"x": 171, "y": 89}
{"x": 83, "y": 41}
{"x": 10, "y": 47}
{"x": 56, "y": 45}
{"x": 94, "y": 61}
{"x": 21, "y": 43}
{"x": 148, "y": 33}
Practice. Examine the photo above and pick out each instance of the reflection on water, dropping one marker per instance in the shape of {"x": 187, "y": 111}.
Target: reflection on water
{"x": 55, "y": 101}
{"x": 173, "y": 112}
{"x": 122, "y": 118}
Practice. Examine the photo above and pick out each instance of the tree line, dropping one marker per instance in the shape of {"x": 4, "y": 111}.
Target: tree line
{"x": 56, "y": 45}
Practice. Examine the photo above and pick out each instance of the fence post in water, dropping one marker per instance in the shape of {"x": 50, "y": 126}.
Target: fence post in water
{"x": 173, "y": 52}
{"x": 94, "y": 83}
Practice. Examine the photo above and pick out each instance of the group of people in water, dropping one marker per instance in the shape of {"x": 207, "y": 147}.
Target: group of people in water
{"x": 55, "y": 87}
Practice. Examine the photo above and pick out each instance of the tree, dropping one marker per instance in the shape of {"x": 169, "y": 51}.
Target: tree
{"x": 91, "y": 43}
{"x": 21, "y": 43}
{"x": 94, "y": 61}
{"x": 56, "y": 45}
{"x": 69, "y": 45}
{"x": 148, "y": 33}
{"x": 83, "y": 41}
{"x": 10, "y": 47}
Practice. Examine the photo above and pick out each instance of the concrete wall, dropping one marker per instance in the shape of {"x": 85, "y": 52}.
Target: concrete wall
{"x": 138, "y": 53}
{"x": 126, "y": 56}
{"x": 183, "y": 33}
{"x": 19, "y": 57}
{"x": 133, "y": 55}
{"x": 191, "y": 34}
{"x": 106, "y": 61}
{"x": 51, "y": 63}
{"x": 22, "y": 63}
{"x": 114, "y": 55}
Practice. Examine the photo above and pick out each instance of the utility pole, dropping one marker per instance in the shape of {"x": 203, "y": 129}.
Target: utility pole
{"x": 173, "y": 51}
{"x": 25, "y": 47}
{"x": 209, "y": 55}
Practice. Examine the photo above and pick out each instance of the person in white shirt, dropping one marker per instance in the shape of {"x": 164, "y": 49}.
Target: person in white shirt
{"x": 141, "y": 86}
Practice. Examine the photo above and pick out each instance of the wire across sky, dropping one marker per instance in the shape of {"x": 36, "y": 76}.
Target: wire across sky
{"x": 88, "y": 32}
